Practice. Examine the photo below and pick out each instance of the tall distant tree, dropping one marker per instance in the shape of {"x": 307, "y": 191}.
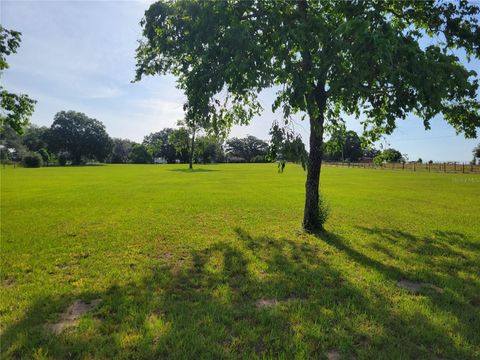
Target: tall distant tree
{"x": 15, "y": 109}
{"x": 246, "y": 148}
{"x": 12, "y": 144}
{"x": 80, "y": 136}
{"x": 35, "y": 137}
{"x": 160, "y": 145}
{"x": 341, "y": 147}
{"x": 476, "y": 152}
{"x": 180, "y": 140}
{"x": 370, "y": 152}
{"x": 389, "y": 156}
{"x": 208, "y": 150}
{"x": 329, "y": 57}
{"x": 120, "y": 151}
{"x": 140, "y": 154}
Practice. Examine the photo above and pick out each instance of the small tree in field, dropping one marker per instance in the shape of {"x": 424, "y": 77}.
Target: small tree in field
{"x": 328, "y": 58}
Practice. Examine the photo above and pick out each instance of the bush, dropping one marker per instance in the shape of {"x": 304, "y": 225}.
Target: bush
{"x": 323, "y": 210}
{"x": 32, "y": 160}
{"x": 62, "y": 159}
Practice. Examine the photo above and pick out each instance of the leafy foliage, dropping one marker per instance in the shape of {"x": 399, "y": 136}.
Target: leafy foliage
{"x": 62, "y": 158}
{"x": 208, "y": 149}
{"x": 344, "y": 147}
{"x": 140, "y": 154}
{"x": 120, "y": 151}
{"x": 247, "y": 148}
{"x": 80, "y": 136}
{"x": 15, "y": 109}
{"x": 179, "y": 139}
{"x": 286, "y": 145}
{"x": 32, "y": 160}
{"x": 160, "y": 145}
{"x": 389, "y": 156}
{"x": 476, "y": 151}
{"x": 35, "y": 137}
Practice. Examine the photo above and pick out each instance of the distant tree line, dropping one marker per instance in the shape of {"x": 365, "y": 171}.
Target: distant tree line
{"x": 74, "y": 138}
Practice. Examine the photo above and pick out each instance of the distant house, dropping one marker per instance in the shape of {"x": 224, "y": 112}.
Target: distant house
{"x": 159, "y": 160}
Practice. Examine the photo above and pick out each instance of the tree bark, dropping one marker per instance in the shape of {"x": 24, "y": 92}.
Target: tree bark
{"x": 192, "y": 150}
{"x": 311, "y": 219}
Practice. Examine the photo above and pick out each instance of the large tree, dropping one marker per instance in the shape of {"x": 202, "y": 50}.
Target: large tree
{"x": 120, "y": 151}
{"x": 382, "y": 59}
{"x": 209, "y": 149}
{"x": 246, "y": 148}
{"x": 80, "y": 136}
{"x": 344, "y": 146}
{"x": 140, "y": 154}
{"x": 161, "y": 147}
{"x": 15, "y": 109}
{"x": 35, "y": 137}
{"x": 180, "y": 140}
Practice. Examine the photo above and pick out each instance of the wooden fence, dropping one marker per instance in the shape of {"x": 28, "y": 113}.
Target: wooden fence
{"x": 451, "y": 167}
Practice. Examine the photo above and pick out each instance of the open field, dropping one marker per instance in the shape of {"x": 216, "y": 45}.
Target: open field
{"x": 212, "y": 263}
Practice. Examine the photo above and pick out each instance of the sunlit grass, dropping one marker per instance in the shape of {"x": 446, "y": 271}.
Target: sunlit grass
{"x": 181, "y": 261}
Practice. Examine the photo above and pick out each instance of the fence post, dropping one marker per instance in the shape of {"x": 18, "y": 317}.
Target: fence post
{"x": 444, "y": 167}
{"x": 414, "y": 167}
{"x": 463, "y": 168}
{"x": 455, "y": 166}
{"x": 429, "y": 167}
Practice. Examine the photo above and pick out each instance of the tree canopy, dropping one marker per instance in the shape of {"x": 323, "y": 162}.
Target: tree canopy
{"x": 160, "y": 145}
{"x": 247, "y": 148}
{"x": 344, "y": 147}
{"x": 80, "y": 136}
{"x": 328, "y": 57}
{"x": 15, "y": 109}
{"x": 120, "y": 151}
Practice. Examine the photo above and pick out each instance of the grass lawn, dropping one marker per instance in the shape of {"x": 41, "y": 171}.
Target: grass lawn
{"x": 212, "y": 264}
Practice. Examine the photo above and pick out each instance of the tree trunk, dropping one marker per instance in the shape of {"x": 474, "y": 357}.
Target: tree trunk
{"x": 192, "y": 150}
{"x": 316, "y": 99}
{"x": 311, "y": 218}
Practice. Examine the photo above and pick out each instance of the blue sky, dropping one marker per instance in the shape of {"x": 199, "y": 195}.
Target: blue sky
{"x": 79, "y": 55}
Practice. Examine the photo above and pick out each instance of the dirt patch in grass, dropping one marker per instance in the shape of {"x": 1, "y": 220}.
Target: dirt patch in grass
{"x": 416, "y": 287}
{"x": 333, "y": 355}
{"x": 9, "y": 282}
{"x": 266, "y": 303}
{"x": 72, "y": 314}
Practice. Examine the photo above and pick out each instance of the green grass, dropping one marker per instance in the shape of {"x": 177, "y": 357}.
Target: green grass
{"x": 180, "y": 258}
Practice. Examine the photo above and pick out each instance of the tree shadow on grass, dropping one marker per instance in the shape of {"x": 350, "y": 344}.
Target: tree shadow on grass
{"x": 440, "y": 260}
{"x": 208, "y": 307}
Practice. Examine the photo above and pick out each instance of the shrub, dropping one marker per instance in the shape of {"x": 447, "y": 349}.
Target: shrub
{"x": 323, "y": 210}
{"x": 32, "y": 160}
{"x": 62, "y": 159}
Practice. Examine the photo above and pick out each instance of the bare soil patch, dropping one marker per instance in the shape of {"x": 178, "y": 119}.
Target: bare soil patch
{"x": 71, "y": 316}
{"x": 416, "y": 287}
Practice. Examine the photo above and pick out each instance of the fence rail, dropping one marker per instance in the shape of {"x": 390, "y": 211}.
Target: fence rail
{"x": 462, "y": 168}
